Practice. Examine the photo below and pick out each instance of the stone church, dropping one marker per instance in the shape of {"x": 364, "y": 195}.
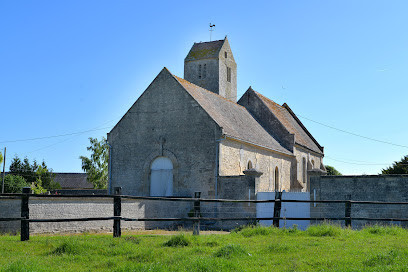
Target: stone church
{"x": 190, "y": 134}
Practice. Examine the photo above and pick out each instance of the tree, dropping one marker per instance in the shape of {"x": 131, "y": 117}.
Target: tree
{"x": 14, "y": 184}
{"x": 46, "y": 178}
{"x": 331, "y": 171}
{"x": 400, "y": 167}
{"x": 1, "y": 158}
{"x": 96, "y": 166}
{"x": 39, "y": 177}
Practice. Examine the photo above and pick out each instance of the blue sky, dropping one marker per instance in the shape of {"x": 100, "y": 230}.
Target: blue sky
{"x": 73, "y": 66}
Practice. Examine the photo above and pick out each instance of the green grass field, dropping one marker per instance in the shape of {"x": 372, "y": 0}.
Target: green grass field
{"x": 320, "y": 248}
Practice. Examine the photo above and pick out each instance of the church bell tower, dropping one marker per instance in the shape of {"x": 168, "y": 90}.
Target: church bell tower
{"x": 211, "y": 66}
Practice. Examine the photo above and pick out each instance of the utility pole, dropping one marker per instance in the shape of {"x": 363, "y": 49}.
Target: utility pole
{"x": 4, "y": 170}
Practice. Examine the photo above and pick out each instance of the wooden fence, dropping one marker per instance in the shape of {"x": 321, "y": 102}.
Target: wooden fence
{"x": 196, "y": 218}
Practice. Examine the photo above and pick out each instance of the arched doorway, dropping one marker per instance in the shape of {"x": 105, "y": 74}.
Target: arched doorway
{"x": 161, "y": 177}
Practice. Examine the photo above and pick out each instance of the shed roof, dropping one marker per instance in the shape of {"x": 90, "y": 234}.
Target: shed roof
{"x": 73, "y": 180}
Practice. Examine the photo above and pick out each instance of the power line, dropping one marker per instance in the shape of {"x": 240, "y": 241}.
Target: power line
{"x": 352, "y": 133}
{"x": 54, "y": 136}
{"x": 368, "y": 163}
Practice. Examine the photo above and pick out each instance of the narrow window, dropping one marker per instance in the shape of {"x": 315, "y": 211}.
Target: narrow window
{"x": 205, "y": 70}
{"x": 225, "y": 54}
{"x": 228, "y": 74}
{"x": 313, "y": 166}
{"x": 304, "y": 169}
{"x": 276, "y": 179}
{"x": 199, "y": 71}
{"x": 249, "y": 165}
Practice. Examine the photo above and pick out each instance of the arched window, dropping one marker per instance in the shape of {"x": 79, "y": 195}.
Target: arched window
{"x": 304, "y": 170}
{"x": 161, "y": 177}
{"x": 313, "y": 166}
{"x": 276, "y": 179}
{"x": 249, "y": 165}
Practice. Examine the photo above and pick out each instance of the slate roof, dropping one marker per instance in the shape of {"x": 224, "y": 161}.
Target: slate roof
{"x": 73, "y": 181}
{"x": 234, "y": 119}
{"x": 205, "y": 50}
{"x": 286, "y": 116}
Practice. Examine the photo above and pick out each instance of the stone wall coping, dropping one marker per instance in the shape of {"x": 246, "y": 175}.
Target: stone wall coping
{"x": 365, "y": 176}
{"x": 252, "y": 172}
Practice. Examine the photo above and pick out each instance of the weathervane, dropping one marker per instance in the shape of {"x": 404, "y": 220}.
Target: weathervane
{"x": 211, "y": 30}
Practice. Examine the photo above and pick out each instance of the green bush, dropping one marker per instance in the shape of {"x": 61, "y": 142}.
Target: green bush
{"x": 14, "y": 184}
{"x": 177, "y": 241}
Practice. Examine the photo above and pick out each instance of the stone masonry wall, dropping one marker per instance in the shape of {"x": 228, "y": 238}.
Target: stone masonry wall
{"x": 301, "y": 153}
{"x": 10, "y": 208}
{"x": 267, "y": 119}
{"x": 389, "y": 188}
{"x": 154, "y": 127}
{"x": 227, "y": 89}
{"x": 234, "y": 158}
{"x": 241, "y": 187}
{"x": 210, "y": 81}
{"x": 47, "y": 208}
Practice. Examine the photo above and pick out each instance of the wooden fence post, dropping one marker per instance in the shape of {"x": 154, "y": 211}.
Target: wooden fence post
{"x": 277, "y": 209}
{"x": 117, "y": 208}
{"x": 347, "y": 214}
{"x": 25, "y": 213}
{"x": 197, "y": 212}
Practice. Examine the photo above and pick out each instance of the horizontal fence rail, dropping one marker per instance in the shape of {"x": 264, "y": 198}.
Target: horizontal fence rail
{"x": 196, "y": 218}
{"x": 192, "y": 199}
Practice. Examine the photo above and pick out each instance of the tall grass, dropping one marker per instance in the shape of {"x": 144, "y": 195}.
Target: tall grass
{"x": 324, "y": 230}
{"x": 254, "y": 248}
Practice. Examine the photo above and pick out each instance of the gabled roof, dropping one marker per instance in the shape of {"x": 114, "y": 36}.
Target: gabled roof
{"x": 205, "y": 50}
{"x": 288, "y": 118}
{"x": 234, "y": 119}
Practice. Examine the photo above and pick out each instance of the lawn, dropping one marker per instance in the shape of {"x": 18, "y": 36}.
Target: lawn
{"x": 320, "y": 248}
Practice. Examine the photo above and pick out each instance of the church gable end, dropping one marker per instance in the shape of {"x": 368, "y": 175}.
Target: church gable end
{"x": 252, "y": 102}
{"x": 164, "y": 122}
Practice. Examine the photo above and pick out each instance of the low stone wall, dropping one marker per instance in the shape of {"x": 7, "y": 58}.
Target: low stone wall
{"x": 387, "y": 188}
{"x": 47, "y": 208}
{"x": 10, "y": 207}
{"x": 236, "y": 187}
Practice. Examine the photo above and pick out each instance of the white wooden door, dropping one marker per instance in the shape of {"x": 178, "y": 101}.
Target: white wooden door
{"x": 161, "y": 177}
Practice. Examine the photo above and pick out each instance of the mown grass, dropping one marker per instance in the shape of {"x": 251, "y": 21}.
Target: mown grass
{"x": 319, "y": 248}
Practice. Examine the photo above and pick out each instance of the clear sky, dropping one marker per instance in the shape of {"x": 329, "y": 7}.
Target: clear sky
{"x": 74, "y": 66}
